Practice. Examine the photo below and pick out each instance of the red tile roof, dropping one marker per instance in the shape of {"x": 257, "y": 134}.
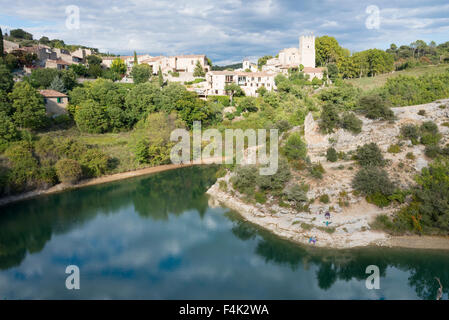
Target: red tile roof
{"x": 52, "y": 94}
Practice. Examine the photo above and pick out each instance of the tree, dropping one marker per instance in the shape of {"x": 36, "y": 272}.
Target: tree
{"x": 20, "y": 34}
{"x": 233, "y": 89}
{"x": 91, "y": 117}
{"x": 376, "y": 107}
{"x": 372, "y": 180}
{"x": 6, "y": 79}
{"x": 28, "y": 106}
{"x": 263, "y": 61}
{"x": 42, "y": 78}
{"x": 160, "y": 77}
{"x": 2, "y": 49}
{"x": 140, "y": 100}
{"x": 295, "y": 148}
{"x": 198, "y": 72}
{"x": 329, "y": 118}
{"x": 141, "y": 73}
{"x": 57, "y": 84}
{"x": 136, "y": 61}
{"x": 68, "y": 170}
{"x": 94, "y": 60}
{"x": 328, "y": 50}
{"x": 44, "y": 40}
{"x": 369, "y": 155}
{"x": 118, "y": 66}
{"x": 8, "y": 130}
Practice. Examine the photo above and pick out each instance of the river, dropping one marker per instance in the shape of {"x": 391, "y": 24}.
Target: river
{"x": 156, "y": 237}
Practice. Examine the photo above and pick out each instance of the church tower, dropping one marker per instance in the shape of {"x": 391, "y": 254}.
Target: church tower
{"x": 307, "y": 50}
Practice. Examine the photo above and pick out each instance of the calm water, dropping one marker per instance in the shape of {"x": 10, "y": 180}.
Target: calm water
{"x": 155, "y": 237}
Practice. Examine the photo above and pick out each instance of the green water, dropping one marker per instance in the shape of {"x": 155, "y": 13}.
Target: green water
{"x": 156, "y": 237}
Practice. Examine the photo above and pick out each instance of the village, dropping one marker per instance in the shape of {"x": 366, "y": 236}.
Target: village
{"x": 179, "y": 68}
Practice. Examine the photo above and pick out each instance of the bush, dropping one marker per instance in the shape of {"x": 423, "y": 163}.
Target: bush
{"x": 370, "y": 155}
{"x": 394, "y": 148}
{"x": 372, "y": 180}
{"x": 329, "y": 118}
{"x": 422, "y": 112}
{"x": 244, "y": 179}
{"x": 316, "y": 171}
{"x": 350, "y": 122}
{"x": 260, "y": 197}
{"x": 432, "y": 151}
{"x": 295, "y": 148}
{"x": 324, "y": 198}
{"x": 91, "y": 117}
{"x": 68, "y": 170}
{"x": 331, "y": 155}
{"x": 410, "y": 131}
{"x": 275, "y": 181}
{"x": 430, "y": 139}
{"x": 94, "y": 163}
{"x": 375, "y": 107}
{"x": 429, "y": 127}
{"x": 379, "y": 199}
{"x": 296, "y": 194}
{"x": 410, "y": 155}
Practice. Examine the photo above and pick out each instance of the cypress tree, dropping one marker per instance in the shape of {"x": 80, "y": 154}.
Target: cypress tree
{"x": 136, "y": 62}
{"x": 1, "y": 44}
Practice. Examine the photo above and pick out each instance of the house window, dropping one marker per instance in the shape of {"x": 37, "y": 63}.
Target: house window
{"x": 216, "y": 91}
{"x": 258, "y": 79}
{"x": 229, "y": 78}
{"x": 59, "y": 100}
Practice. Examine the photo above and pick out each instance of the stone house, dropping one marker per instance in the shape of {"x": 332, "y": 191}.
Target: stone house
{"x": 55, "y": 102}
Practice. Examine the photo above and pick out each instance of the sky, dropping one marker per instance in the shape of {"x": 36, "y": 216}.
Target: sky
{"x": 227, "y": 31}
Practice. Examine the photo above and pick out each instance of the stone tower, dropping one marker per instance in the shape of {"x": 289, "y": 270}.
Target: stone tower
{"x": 307, "y": 50}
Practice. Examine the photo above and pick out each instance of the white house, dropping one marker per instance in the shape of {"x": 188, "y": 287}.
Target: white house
{"x": 248, "y": 81}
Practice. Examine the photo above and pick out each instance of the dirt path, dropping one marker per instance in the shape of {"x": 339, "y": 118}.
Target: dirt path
{"x": 417, "y": 242}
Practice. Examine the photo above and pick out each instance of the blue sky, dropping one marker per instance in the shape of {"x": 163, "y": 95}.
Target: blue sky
{"x": 228, "y": 30}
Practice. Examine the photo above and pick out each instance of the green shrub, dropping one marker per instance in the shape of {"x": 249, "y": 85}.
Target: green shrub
{"x": 429, "y": 127}
{"x": 275, "y": 181}
{"x": 410, "y": 131}
{"x": 244, "y": 179}
{"x": 350, "y": 122}
{"x": 430, "y": 139}
{"x": 394, "y": 148}
{"x": 296, "y": 194}
{"x": 432, "y": 151}
{"x": 371, "y": 180}
{"x": 94, "y": 163}
{"x": 295, "y": 148}
{"x": 68, "y": 170}
{"x": 370, "y": 155}
{"x": 222, "y": 185}
{"x": 260, "y": 197}
{"x": 331, "y": 155}
{"x": 410, "y": 155}
{"x": 379, "y": 199}
{"x": 324, "y": 198}
{"x": 422, "y": 112}
{"x": 329, "y": 118}
{"x": 316, "y": 171}
{"x": 376, "y": 107}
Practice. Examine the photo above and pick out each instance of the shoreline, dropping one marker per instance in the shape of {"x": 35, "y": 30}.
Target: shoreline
{"x": 289, "y": 228}
{"x": 94, "y": 181}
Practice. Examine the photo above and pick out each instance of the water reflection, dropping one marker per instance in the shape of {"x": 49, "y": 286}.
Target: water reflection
{"x": 158, "y": 232}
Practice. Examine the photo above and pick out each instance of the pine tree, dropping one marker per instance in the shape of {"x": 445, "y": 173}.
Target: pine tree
{"x": 58, "y": 85}
{"x": 136, "y": 62}
{"x": 1, "y": 44}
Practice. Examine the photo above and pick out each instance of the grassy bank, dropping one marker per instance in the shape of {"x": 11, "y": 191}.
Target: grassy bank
{"x": 370, "y": 83}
